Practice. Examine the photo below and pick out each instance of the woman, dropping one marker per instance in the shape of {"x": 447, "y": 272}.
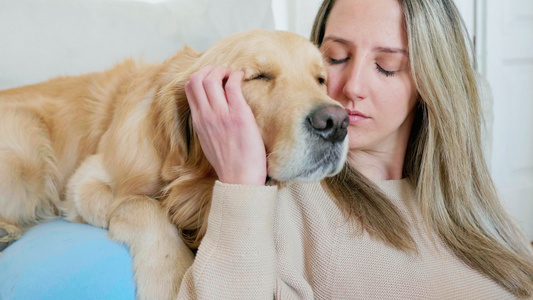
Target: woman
{"x": 424, "y": 219}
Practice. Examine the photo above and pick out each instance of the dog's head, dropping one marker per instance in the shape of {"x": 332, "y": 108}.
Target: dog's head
{"x": 304, "y": 130}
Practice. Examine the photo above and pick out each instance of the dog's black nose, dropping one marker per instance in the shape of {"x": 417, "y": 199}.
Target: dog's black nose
{"x": 330, "y": 122}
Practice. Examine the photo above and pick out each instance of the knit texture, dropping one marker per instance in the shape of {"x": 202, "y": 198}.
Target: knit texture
{"x": 296, "y": 244}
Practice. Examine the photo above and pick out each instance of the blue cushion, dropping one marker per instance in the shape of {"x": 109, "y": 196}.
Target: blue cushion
{"x": 62, "y": 260}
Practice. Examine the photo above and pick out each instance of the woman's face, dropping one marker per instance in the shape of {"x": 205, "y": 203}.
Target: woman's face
{"x": 365, "y": 47}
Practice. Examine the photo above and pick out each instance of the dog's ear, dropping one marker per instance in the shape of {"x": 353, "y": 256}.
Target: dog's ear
{"x": 183, "y": 59}
{"x": 190, "y": 175}
{"x": 173, "y": 111}
{"x": 188, "y": 155}
{"x": 185, "y": 152}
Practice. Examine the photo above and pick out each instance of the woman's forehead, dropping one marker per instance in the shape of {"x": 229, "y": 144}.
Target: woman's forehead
{"x": 376, "y": 22}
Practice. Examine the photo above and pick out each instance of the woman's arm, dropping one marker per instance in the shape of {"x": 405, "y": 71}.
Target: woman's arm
{"x": 236, "y": 259}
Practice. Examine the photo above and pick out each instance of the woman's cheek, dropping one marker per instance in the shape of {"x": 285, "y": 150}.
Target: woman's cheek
{"x": 333, "y": 85}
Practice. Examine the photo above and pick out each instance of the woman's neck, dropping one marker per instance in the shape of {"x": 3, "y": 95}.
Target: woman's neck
{"x": 378, "y": 165}
{"x": 385, "y": 160}
{"x": 374, "y": 168}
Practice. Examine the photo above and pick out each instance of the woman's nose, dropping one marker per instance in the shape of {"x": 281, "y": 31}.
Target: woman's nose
{"x": 356, "y": 82}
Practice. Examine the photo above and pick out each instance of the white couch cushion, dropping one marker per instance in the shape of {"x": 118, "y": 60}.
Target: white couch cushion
{"x": 46, "y": 38}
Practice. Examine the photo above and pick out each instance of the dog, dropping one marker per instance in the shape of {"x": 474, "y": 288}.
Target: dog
{"x": 118, "y": 150}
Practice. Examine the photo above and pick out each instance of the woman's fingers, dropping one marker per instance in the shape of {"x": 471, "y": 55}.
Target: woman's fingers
{"x": 206, "y": 89}
{"x": 214, "y": 84}
{"x": 233, "y": 89}
{"x": 195, "y": 91}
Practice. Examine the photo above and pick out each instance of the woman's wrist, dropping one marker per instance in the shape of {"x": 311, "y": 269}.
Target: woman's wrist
{"x": 252, "y": 178}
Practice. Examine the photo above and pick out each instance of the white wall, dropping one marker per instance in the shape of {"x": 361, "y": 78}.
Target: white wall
{"x": 43, "y": 39}
{"x": 508, "y": 63}
{"x": 295, "y": 15}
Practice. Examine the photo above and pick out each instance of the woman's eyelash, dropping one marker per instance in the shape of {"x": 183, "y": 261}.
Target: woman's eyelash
{"x": 385, "y": 72}
{"x": 337, "y": 61}
{"x": 333, "y": 61}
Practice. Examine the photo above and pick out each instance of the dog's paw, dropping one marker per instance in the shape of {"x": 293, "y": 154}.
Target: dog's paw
{"x": 159, "y": 269}
{"x": 8, "y": 234}
{"x": 161, "y": 280}
{"x": 3, "y": 236}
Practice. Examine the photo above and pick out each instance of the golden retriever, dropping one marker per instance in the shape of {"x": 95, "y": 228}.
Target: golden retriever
{"x": 117, "y": 149}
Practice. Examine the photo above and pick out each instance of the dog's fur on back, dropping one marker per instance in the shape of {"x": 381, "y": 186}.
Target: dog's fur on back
{"x": 109, "y": 148}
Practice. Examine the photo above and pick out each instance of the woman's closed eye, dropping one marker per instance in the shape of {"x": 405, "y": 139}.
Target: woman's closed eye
{"x": 384, "y": 72}
{"x": 333, "y": 61}
{"x": 380, "y": 69}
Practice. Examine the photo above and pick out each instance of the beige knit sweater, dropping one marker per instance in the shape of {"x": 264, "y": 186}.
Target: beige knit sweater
{"x": 295, "y": 244}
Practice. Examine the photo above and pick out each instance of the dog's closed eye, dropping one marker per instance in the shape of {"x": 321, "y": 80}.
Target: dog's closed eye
{"x": 261, "y": 76}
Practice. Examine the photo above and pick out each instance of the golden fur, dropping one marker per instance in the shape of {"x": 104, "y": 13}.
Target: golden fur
{"x": 109, "y": 148}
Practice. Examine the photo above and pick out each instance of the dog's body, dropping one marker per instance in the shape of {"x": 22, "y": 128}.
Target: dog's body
{"x": 109, "y": 148}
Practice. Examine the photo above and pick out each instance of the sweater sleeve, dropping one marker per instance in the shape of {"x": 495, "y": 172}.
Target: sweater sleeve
{"x": 236, "y": 259}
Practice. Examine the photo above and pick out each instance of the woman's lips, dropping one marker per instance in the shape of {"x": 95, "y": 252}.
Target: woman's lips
{"x": 356, "y": 116}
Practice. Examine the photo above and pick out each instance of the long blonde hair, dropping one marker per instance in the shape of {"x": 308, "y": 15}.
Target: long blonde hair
{"x": 444, "y": 159}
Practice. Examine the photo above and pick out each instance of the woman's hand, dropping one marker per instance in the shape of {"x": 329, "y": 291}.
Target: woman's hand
{"x": 226, "y": 126}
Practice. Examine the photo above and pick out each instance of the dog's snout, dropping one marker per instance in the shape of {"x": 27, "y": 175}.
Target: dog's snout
{"x": 330, "y": 122}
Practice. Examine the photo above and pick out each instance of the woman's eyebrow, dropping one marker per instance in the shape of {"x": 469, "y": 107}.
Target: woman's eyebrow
{"x": 336, "y": 39}
{"x": 391, "y": 50}
{"x": 376, "y": 49}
